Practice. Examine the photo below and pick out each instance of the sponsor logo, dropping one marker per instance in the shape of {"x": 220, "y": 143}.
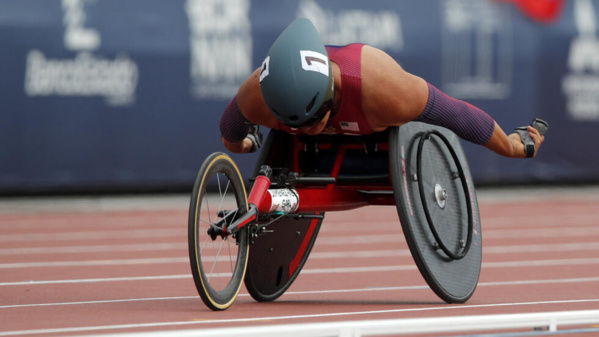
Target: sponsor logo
{"x": 381, "y": 29}
{"x": 221, "y": 46}
{"x": 85, "y": 75}
{"x": 477, "y": 49}
{"x": 581, "y": 84}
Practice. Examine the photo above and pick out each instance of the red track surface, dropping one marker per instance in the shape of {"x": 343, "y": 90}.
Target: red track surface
{"x": 107, "y": 266}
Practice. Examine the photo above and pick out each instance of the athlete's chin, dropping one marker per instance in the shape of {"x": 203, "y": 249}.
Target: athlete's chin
{"x": 313, "y": 131}
{"x": 317, "y": 129}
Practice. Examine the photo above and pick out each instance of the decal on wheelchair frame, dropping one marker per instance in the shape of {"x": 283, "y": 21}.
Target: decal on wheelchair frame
{"x": 283, "y": 200}
{"x": 313, "y": 61}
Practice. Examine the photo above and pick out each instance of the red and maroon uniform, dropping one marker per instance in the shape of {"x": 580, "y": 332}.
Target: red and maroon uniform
{"x": 466, "y": 120}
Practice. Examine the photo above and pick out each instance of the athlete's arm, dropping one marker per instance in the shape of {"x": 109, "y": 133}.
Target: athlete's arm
{"x": 245, "y": 110}
{"x": 392, "y": 97}
{"x": 234, "y": 128}
{"x": 474, "y": 125}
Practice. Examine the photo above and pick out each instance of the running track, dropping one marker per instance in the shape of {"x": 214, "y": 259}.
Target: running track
{"x": 119, "y": 265}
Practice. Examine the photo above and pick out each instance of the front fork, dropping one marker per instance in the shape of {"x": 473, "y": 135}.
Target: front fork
{"x": 258, "y": 204}
{"x": 262, "y": 201}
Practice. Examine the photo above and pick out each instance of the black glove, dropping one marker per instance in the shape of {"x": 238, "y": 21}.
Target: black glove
{"x": 529, "y": 144}
{"x": 256, "y": 137}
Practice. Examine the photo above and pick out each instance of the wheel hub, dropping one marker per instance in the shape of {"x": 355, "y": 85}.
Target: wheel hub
{"x": 440, "y": 195}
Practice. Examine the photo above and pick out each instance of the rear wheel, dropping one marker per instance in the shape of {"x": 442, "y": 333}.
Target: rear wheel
{"x": 437, "y": 207}
{"x": 218, "y": 261}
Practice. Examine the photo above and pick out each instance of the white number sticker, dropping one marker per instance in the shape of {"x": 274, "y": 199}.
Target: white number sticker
{"x": 264, "y": 71}
{"x": 313, "y": 61}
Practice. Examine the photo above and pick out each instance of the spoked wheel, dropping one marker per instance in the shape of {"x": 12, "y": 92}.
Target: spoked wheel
{"x": 218, "y": 261}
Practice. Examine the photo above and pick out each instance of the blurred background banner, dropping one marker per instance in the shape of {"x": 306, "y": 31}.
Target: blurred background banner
{"x": 126, "y": 95}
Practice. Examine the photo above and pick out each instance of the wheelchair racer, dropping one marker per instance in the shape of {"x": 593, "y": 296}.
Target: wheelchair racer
{"x": 306, "y": 87}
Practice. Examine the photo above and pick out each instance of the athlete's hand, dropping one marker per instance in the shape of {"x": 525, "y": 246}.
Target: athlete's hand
{"x": 255, "y": 136}
{"x": 531, "y": 137}
{"x": 537, "y": 138}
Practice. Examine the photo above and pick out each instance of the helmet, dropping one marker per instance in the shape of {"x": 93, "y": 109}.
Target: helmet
{"x": 296, "y": 79}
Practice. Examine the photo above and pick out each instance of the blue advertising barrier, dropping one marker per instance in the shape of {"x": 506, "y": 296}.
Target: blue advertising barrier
{"x": 110, "y": 95}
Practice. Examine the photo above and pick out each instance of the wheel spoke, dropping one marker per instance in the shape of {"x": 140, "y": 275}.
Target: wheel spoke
{"x": 216, "y": 258}
{"x": 230, "y": 255}
{"x": 223, "y": 195}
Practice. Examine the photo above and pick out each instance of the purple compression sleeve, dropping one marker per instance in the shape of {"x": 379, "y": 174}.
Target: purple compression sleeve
{"x": 234, "y": 127}
{"x": 466, "y": 120}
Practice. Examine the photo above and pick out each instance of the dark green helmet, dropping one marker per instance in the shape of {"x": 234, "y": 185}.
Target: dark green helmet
{"x": 297, "y": 77}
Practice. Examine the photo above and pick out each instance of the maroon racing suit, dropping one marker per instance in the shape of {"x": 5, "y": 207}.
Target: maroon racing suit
{"x": 466, "y": 120}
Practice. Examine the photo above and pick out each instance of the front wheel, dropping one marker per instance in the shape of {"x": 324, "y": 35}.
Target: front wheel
{"x": 218, "y": 261}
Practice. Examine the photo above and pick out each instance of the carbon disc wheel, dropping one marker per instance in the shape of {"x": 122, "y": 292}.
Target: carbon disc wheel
{"x": 437, "y": 206}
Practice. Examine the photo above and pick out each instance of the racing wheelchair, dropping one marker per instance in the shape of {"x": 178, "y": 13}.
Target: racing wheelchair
{"x": 264, "y": 239}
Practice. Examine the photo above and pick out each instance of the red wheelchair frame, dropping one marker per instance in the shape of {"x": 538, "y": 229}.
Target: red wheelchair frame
{"x": 294, "y": 163}
{"x": 329, "y": 197}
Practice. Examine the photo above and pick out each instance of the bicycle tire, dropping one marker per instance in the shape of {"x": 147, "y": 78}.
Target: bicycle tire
{"x": 218, "y": 284}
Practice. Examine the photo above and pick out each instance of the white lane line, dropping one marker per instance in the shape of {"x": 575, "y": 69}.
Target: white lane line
{"x": 115, "y": 262}
{"x": 561, "y": 232}
{"x": 94, "y": 280}
{"x": 541, "y": 263}
{"x": 503, "y": 264}
{"x": 142, "y": 247}
{"x": 136, "y": 247}
{"x": 445, "y": 307}
{"x": 333, "y": 240}
{"x": 569, "y": 322}
{"x": 397, "y": 238}
{"x": 93, "y": 235}
{"x": 173, "y": 260}
{"x": 148, "y": 299}
{"x": 317, "y": 292}
{"x": 553, "y": 248}
{"x": 550, "y": 248}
